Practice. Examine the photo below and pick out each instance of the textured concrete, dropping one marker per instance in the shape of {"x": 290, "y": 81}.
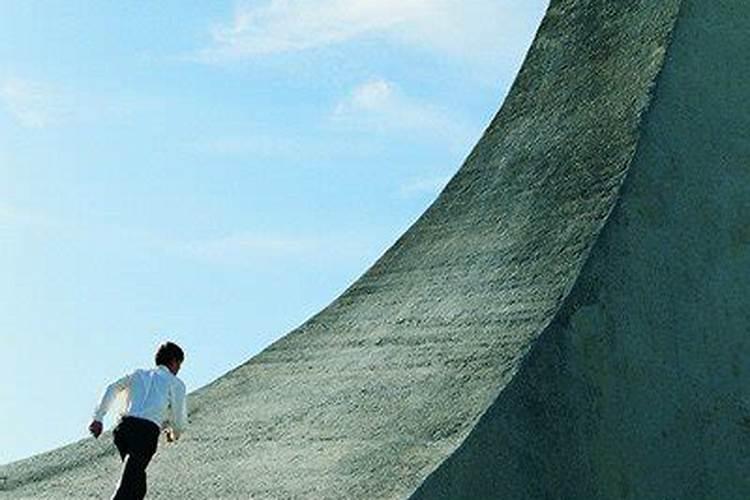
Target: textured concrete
{"x": 565, "y": 321}
{"x": 639, "y": 389}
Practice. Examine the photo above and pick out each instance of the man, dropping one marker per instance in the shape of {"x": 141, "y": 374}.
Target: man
{"x": 155, "y": 400}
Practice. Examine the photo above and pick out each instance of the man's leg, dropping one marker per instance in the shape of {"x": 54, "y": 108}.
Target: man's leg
{"x": 133, "y": 481}
{"x": 136, "y": 440}
{"x": 120, "y": 441}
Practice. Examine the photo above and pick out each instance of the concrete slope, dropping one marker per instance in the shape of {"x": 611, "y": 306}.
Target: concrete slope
{"x": 640, "y": 387}
{"x": 403, "y": 376}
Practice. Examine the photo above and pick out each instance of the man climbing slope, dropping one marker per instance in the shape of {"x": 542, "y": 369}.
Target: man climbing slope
{"x": 155, "y": 400}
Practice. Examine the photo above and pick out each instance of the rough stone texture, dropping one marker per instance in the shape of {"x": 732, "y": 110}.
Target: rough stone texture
{"x": 639, "y": 389}
{"x": 545, "y": 330}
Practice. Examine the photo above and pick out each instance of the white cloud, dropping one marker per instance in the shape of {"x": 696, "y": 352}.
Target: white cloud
{"x": 373, "y": 95}
{"x": 473, "y": 30}
{"x": 293, "y": 25}
{"x": 380, "y": 105}
{"x": 31, "y": 104}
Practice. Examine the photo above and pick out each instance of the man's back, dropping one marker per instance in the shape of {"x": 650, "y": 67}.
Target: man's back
{"x": 154, "y": 394}
{"x": 157, "y": 395}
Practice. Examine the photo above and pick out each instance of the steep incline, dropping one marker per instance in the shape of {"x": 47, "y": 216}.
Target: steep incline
{"x": 374, "y": 393}
{"x": 640, "y": 388}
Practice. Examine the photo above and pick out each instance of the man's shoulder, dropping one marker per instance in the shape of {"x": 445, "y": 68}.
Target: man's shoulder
{"x": 174, "y": 379}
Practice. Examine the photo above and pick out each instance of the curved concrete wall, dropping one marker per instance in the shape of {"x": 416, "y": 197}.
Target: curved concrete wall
{"x": 640, "y": 388}
{"x": 421, "y": 373}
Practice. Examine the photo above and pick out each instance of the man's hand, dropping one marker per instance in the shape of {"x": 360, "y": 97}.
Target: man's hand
{"x": 96, "y": 428}
{"x": 171, "y": 435}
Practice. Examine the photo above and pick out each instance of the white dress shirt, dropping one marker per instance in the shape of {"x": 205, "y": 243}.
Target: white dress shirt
{"x": 155, "y": 394}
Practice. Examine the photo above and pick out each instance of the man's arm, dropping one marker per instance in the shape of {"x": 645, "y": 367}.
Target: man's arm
{"x": 178, "y": 404}
{"x": 106, "y": 401}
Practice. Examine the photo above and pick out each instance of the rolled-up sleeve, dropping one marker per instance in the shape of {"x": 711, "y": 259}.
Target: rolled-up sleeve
{"x": 179, "y": 409}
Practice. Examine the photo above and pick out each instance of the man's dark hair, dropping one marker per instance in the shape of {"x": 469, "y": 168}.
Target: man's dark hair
{"x": 167, "y": 352}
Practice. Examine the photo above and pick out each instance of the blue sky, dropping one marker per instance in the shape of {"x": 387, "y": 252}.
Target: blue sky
{"x": 214, "y": 173}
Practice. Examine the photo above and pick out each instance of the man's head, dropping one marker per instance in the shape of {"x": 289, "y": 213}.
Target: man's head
{"x": 171, "y": 356}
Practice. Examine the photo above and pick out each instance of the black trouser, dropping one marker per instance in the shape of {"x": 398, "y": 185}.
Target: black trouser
{"x": 136, "y": 440}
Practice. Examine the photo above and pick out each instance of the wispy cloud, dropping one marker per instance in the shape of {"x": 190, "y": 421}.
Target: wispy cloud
{"x": 36, "y": 104}
{"x": 375, "y": 105}
{"x": 294, "y": 25}
{"x": 463, "y": 29}
{"x": 380, "y": 105}
{"x": 32, "y": 104}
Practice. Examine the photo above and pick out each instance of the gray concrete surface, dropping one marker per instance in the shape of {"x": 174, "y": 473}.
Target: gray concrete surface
{"x": 565, "y": 321}
{"x": 640, "y": 387}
